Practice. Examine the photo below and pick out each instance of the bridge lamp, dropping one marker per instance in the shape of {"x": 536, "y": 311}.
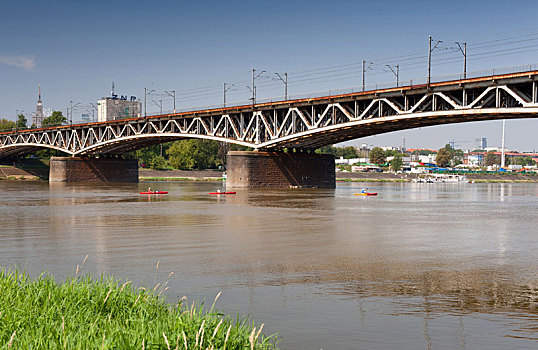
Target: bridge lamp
{"x": 430, "y": 49}
{"x": 396, "y": 73}
{"x": 285, "y": 81}
{"x": 146, "y": 93}
{"x": 70, "y": 113}
{"x": 254, "y": 77}
{"x": 173, "y": 95}
{"x": 225, "y": 90}
{"x": 464, "y": 53}
{"x": 364, "y": 69}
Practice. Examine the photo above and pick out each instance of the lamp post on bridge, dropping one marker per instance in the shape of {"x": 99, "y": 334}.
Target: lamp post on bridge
{"x": 396, "y": 73}
{"x": 364, "y": 68}
{"x": 464, "y": 53}
{"x": 253, "y": 89}
{"x": 430, "y": 49}
{"x": 285, "y": 81}
{"x": 172, "y": 94}
{"x": 70, "y": 111}
{"x": 146, "y": 93}
{"x": 224, "y": 91}
{"x": 160, "y": 105}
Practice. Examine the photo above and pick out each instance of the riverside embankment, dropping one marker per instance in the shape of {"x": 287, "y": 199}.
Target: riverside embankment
{"x": 216, "y": 175}
{"x": 38, "y": 170}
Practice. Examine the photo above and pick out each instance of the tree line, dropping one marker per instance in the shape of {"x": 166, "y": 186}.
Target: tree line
{"x": 57, "y": 118}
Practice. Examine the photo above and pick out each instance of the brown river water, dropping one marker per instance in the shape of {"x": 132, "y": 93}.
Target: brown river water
{"x": 420, "y": 266}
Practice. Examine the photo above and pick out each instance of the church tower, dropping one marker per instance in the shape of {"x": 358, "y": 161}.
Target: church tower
{"x": 39, "y": 116}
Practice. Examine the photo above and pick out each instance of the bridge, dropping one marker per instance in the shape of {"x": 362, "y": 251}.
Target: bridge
{"x": 301, "y": 124}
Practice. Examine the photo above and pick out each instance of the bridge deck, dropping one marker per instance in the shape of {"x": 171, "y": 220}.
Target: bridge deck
{"x": 299, "y": 123}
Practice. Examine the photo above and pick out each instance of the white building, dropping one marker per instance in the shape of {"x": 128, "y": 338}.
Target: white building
{"x": 113, "y": 108}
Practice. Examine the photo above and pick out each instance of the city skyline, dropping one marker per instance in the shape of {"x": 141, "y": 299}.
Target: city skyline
{"x": 193, "y": 49}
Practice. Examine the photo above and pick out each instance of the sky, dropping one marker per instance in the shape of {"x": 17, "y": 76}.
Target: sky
{"x": 76, "y": 49}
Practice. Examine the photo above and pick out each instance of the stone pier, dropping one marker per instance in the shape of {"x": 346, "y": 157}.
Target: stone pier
{"x": 279, "y": 170}
{"x": 78, "y": 169}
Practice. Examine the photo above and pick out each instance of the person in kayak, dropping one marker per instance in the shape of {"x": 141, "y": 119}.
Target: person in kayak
{"x": 149, "y": 189}
{"x": 364, "y": 190}
{"x": 218, "y": 190}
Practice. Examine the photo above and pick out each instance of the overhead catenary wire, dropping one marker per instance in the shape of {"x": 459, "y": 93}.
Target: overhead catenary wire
{"x": 410, "y": 62}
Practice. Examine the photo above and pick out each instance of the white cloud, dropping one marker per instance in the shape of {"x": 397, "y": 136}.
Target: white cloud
{"x": 25, "y": 62}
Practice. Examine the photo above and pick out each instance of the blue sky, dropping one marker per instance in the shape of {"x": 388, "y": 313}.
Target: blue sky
{"x": 75, "y": 50}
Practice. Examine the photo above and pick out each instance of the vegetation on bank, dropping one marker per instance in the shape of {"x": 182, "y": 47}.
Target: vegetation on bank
{"x": 82, "y": 313}
{"x": 147, "y": 178}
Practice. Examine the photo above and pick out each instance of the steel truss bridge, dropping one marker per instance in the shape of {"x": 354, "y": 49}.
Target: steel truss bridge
{"x": 301, "y": 124}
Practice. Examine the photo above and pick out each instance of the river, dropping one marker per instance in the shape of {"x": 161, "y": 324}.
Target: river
{"x": 420, "y": 266}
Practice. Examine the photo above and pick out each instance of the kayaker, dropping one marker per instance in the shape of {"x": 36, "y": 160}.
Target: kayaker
{"x": 364, "y": 190}
{"x": 149, "y": 189}
{"x": 218, "y": 190}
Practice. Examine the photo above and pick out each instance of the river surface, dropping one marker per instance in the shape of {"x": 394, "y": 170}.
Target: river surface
{"x": 421, "y": 266}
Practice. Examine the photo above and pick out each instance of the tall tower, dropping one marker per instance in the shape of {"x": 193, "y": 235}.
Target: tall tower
{"x": 39, "y": 116}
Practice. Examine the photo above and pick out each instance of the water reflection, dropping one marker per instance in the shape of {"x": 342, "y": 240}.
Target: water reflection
{"x": 418, "y": 266}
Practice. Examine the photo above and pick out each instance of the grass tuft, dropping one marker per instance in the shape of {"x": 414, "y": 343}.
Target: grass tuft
{"x": 82, "y": 313}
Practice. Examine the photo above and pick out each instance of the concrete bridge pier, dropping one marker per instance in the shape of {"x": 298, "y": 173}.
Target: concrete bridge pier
{"x": 79, "y": 169}
{"x": 279, "y": 170}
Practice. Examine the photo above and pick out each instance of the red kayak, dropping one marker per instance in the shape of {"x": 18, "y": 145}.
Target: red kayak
{"x": 230, "y": 192}
{"x": 366, "y": 194}
{"x": 155, "y": 192}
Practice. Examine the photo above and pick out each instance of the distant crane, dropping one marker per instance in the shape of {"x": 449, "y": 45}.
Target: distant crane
{"x": 455, "y": 143}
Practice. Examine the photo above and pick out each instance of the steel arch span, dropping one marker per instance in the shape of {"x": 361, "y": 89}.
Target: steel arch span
{"x": 304, "y": 123}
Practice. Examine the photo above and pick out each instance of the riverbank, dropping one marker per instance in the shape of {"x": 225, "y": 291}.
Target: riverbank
{"x": 477, "y": 178}
{"x": 82, "y": 313}
{"x": 180, "y": 175}
{"x": 37, "y": 170}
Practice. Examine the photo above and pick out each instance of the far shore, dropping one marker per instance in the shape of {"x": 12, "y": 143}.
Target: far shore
{"x": 16, "y": 173}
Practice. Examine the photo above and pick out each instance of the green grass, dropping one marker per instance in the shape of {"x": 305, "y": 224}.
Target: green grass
{"x": 148, "y": 178}
{"x": 83, "y": 313}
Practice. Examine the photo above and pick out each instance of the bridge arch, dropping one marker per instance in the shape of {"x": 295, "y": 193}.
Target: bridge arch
{"x": 131, "y": 143}
{"x": 26, "y": 148}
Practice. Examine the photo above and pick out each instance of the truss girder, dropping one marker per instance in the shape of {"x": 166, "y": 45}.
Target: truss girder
{"x": 306, "y": 123}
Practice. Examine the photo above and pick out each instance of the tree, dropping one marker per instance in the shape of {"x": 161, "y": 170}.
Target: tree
{"x": 7, "y": 125}
{"x": 524, "y": 161}
{"x": 146, "y": 155}
{"x": 443, "y": 157}
{"x": 157, "y": 163}
{"x": 328, "y": 150}
{"x": 449, "y": 156}
{"x": 492, "y": 158}
{"x": 397, "y": 162}
{"x": 423, "y": 152}
{"x": 377, "y": 155}
{"x": 56, "y": 118}
{"x": 457, "y": 157}
{"x": 348, "y": 152}
{"x": 391, "y": 153}
{"x": 22, "y": 123}
{"x": 194, "y": 153}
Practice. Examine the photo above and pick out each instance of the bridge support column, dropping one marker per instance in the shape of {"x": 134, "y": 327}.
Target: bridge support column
{"x": 77, "y": 169}
{"x": 279, "y": 170}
